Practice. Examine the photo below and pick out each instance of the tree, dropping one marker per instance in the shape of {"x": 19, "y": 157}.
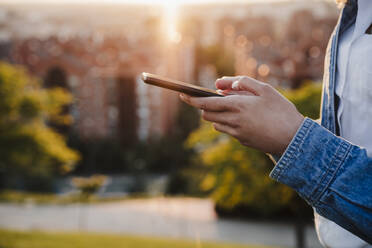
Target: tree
{"x": 31, "y": 152}
{"x": 237, "y": 176}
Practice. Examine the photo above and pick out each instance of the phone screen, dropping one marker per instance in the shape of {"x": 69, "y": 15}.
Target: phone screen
{"x": 179, "y": 86}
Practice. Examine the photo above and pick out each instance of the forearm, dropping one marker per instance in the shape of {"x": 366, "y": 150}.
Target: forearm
{"x": 332, "y": 175}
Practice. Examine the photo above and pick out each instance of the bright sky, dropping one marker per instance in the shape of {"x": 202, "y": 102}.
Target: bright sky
{"x": 160, "y": 2}
{"x": 171, "y": 7}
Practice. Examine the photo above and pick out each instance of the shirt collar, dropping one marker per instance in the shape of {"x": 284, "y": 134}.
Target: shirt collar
{"x": 364, "y": 17}
{"x": 349, "y": 14}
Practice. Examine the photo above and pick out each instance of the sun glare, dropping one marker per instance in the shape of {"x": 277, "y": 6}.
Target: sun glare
{"x": 171, "y": 9}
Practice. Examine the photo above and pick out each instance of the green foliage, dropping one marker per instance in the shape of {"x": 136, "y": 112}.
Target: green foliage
{"x": 307, "y": 99}
{"x": 35, "y": 239}
{"x": 237, "y": 176}
{"x": 30, "y": 151}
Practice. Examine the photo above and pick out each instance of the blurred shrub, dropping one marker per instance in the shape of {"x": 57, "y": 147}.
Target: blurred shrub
{"x": 237, "y": 177}
{"x": 31, "y": 152}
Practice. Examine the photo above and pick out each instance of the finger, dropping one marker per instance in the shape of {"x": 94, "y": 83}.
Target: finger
{"x": 225, "y": 118}
{"x": 225, "y": 83}
{"x": 225, "y": 129}
{"x": 249, "y": 84}
{"x": 235, "y": 92}
{"x": 215, "y": 104}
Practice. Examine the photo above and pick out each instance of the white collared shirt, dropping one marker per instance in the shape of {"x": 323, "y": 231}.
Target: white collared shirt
{"x": 354, "y": 114}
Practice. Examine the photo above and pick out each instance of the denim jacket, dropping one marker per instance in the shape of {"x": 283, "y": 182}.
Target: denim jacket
{"x": 331, "y": 174}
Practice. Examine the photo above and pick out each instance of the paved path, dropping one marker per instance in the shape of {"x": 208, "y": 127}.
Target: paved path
{"x": 176, "y": 217}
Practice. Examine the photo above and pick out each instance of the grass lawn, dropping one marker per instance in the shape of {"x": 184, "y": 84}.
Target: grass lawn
{"x": 35, "y": 239}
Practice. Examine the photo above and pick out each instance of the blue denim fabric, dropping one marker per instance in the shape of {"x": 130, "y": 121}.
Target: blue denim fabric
{"x": 331, "y": 174}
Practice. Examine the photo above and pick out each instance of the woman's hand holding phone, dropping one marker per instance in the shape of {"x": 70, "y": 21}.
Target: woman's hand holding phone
{"x": 252, "y": 111}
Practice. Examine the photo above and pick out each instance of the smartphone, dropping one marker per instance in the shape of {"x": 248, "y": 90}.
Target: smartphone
{"x": 176, "y": 85}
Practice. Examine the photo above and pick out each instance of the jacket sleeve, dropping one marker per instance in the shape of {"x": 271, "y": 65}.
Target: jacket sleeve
{"x": 332, "y": 175}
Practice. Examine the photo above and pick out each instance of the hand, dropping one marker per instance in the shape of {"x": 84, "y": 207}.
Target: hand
{"x": 256, "y": 114}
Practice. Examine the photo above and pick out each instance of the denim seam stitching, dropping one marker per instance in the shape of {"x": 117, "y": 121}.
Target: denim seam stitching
{"x": 313, "y": 194}
{"x": 339, "y": 158}
{"x": 292, "y": 149}
{"x": 323, "y": 175}
{"x": 323, "y": 213}
{"x": 345, "y": 198}
{"x": 287, "y": 155}
{"x": 298, "y": 141}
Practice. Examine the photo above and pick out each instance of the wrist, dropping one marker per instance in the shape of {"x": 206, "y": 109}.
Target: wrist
{"x": 294, "y": 126}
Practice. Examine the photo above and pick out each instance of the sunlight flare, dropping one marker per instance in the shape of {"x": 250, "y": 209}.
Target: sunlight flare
{"x": 171, "y": 9}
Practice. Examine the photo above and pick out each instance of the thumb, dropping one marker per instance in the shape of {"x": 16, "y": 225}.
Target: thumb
{"x": 225, "y": 82}
{"x": 248, "y": 84}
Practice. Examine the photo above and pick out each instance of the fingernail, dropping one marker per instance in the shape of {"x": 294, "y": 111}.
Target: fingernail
{"x": 223, "y": 92}
{"x": 184, "y": 97}
{"x": 235, "y": 85}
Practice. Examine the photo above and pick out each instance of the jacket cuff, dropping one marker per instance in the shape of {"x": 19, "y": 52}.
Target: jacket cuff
{"x": 311, "y": 160}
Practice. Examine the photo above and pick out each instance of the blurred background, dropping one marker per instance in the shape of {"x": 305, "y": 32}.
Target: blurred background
{"x": 92, "y": 156}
